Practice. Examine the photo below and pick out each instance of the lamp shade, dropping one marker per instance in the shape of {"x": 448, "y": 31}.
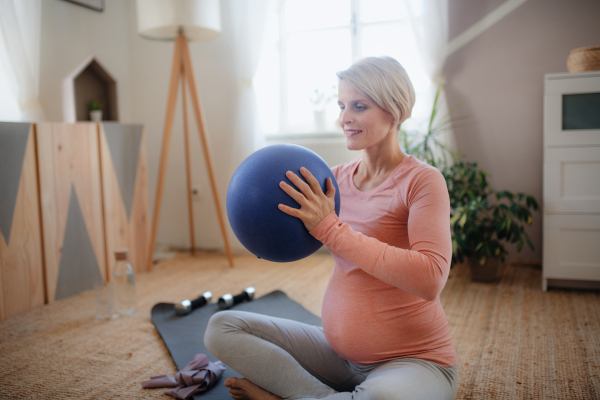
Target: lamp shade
{"x": 162, "y": 19}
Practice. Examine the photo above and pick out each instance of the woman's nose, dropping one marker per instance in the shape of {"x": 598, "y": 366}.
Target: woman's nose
{"x": 345, "y": 117}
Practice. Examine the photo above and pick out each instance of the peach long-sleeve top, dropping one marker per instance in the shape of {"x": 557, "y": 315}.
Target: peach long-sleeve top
{"x": 392, "y": 249}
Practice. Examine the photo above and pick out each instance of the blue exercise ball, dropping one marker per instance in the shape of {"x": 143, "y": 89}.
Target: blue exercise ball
{"x": 254, "y": 194}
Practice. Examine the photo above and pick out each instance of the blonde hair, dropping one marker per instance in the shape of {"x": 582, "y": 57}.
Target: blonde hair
{"x": 384, "y": 81}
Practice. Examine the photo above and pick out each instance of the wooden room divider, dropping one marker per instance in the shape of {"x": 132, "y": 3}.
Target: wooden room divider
{"x": 71, "y": 203}
{"x": 125, "y": 186}
{"x": 71, "y": 194}
{"x": 21, "y": 261}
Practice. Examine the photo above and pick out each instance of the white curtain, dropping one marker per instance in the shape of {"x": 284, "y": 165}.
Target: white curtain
{"x": 429, "y": 21}
{"x": 20, "y": 25}
{"x": 247, "y": 23}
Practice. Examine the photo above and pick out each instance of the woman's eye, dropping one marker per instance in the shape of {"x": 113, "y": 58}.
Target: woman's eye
{"x": 342, "y": 108}
{"x": 361, "y": 108}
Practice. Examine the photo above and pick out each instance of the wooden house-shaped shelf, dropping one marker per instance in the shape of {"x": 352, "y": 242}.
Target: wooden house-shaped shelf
{"x": 89, "y": 81}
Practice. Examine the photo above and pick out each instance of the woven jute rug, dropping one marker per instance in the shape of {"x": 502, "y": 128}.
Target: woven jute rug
{"x": 512, "y": 340}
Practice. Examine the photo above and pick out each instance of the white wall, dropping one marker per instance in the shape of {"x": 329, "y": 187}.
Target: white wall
{"x": 70, "y": 33}
{"x": 142, "y": 69}
{"x": 500, "y": 75}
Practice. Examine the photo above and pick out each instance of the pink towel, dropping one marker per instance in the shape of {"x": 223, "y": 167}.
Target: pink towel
{"x": 198, "y": 376}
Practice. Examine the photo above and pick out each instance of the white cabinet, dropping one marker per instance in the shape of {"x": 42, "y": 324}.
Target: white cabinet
{"x": 571, "y": 254}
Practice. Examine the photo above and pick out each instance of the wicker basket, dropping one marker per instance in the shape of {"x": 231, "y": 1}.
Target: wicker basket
{"x": 584, "y": 59}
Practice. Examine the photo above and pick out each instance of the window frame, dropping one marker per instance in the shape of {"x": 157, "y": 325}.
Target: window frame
{"x": 356, "y": 27}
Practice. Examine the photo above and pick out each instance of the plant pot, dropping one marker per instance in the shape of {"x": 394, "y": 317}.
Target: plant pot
{"x": 320, "y": 118}
{"x": 96, "y": 115}
{"x": 487, "y": 272}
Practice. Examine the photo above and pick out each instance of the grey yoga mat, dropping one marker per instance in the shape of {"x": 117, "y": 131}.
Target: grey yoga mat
{"x": 183, "y": 336}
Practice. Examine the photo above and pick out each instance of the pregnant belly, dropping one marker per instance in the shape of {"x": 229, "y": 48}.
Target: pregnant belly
{"x": 368, "y": 326}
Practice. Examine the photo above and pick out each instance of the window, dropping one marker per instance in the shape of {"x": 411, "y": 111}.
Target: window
{"x": 310, "y": 40}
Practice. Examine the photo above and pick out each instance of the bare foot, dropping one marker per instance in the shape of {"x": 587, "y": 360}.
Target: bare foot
{"x": 243, "y": 389}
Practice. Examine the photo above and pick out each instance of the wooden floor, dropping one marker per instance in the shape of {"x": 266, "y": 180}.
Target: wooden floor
{"x": 187, "y": 277}
{"x": 512, "y": 340}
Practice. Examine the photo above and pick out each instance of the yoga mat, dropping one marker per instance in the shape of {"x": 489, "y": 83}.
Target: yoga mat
{"x": 184, "y": 336}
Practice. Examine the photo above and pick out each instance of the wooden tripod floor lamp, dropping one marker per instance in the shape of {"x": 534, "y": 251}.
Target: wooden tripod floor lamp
{"x": 182, "y": 20}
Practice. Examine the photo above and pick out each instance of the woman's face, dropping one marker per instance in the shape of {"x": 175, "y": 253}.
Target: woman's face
{"x": 364, "y": 122}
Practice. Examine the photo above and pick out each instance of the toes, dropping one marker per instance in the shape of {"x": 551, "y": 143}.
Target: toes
{"x": 229, "y": 382}
{"x": 235, "y": 383}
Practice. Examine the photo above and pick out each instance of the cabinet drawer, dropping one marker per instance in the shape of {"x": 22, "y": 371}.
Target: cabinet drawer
{"x": 572, "y": 110}
{"x": 571, "y": 247}
{"x": 572, "y": 180}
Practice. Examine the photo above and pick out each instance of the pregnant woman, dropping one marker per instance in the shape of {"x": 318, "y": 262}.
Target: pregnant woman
{"x": 384, "y": 334}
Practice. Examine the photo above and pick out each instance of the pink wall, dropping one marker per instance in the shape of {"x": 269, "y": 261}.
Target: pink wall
{"x": 500, "y": 74}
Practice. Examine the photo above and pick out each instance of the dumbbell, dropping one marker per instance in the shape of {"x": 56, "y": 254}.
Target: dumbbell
{"x": 227, "y": 300}
{"x": 185, "y": 307}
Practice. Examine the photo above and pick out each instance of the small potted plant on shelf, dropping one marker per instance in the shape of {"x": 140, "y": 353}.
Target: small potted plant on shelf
{"x": 319, "y": 100}
{"x": 95, "y": 111}
{"x": 480, "y": 218}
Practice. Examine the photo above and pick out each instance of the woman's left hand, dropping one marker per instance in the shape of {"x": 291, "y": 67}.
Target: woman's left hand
{"x": 314, "y": 204}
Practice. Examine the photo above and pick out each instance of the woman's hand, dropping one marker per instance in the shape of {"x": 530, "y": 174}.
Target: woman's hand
{"x": 314, "y": 204}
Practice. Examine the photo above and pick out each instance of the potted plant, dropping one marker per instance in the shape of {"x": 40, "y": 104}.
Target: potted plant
{"x": 319, "y": 100}
{"x": 95, "y": 111}
{"x": 425, "y": 145}
{"x": 480, "y": 218}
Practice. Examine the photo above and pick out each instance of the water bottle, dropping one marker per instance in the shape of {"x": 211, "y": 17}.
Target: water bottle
{"x": 124, "y": 284}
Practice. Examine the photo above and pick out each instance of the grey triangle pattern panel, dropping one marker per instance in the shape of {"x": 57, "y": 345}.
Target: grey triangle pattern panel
{"x": 124, "y": 142}
{"x": 13, "y": 143}
{"x": 78, "y": 269}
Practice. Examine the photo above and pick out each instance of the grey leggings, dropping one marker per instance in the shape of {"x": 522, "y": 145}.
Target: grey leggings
{"x": 294, "y": 361}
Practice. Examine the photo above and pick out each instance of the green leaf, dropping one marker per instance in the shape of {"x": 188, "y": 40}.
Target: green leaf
{"x": 502, "y": 225}
{"x": 463, "y": 220}
{"x": 529, "y": 242}
{"x": 504, "y": 194}
{"x": 454, "y": 218}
